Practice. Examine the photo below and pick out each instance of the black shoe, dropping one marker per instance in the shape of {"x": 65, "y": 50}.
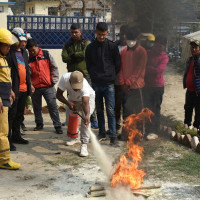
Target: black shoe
{"x": 114, "y": 142}
{"x": 107, "y": 132}
{"x": 20, "y": 141}
{"x": 101, "y": 137}
{"x": 59, "y": 130}
{"x": 120, "y": 137}
{"x": 38, "y": 127}
{"x": 24, "y": 127}
{"x": 12, "y": 147}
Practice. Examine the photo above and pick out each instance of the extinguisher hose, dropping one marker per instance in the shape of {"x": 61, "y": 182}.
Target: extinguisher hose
{"x": 75, "y": 112}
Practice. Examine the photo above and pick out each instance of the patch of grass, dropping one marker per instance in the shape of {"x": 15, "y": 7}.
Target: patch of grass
{"x": 188, "y": 164}
{"x": 168, "y": 161}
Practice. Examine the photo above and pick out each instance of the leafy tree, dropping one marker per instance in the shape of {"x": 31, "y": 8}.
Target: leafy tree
{"x": 154, "y": 15}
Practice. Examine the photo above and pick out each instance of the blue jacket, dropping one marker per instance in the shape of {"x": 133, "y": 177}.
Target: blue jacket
{"x": 196, "y": 73}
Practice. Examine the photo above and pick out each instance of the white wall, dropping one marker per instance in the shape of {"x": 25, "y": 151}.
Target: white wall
{"x": 56, "y": 53}
{"x": 40, "y": 8}
{"x": 3, "y": 16}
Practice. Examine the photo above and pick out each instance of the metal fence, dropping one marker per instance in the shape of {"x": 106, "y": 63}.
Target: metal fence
{"x": 51, "y": 32}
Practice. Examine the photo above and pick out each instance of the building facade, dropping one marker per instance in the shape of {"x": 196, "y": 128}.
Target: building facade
{"x": 4, "y": 11}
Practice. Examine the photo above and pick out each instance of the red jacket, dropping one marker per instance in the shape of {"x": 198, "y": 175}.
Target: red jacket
{"x": 155, "y": 68}
{"x": 133, "y": 64}
{"x": 44, "y": 71}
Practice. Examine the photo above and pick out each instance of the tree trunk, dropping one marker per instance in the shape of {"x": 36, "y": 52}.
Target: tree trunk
{"x": 84, "y": 8}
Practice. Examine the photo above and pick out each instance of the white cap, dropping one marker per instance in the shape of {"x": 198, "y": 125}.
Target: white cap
{"x": 19, "y": 33}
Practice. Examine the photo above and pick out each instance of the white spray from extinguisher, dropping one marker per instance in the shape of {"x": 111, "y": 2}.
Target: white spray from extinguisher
{"x": 102, "y": 158}
{"x": 117, "y": 193}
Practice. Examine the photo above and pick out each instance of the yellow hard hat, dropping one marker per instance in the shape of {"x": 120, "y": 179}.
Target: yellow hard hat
{"x": 151, "y": 37}
{"x": 7, "y": 37}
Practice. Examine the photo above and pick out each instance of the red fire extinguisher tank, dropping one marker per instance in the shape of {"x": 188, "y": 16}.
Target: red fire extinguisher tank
{"x": 73, "y": 125}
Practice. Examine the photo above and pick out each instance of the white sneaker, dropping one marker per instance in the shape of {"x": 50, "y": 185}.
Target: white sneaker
{"x": 191, "y": 127}
{"x": 73, "y": 141}
{"x": 84, "y": 151}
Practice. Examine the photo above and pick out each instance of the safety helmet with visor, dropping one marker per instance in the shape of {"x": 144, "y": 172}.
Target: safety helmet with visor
{"x": 7, "y": 37}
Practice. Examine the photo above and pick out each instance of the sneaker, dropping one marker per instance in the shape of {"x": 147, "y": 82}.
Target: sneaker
{"x": 38, "y": 127}
{"x": 10, "y": 165}
{"x": 73, "y": 141}
{"x": 114, "y": 142}
{"x": 64, "y": 124}
{"x": 20, "y": 140}
{"x": 59, "y": 130}
{"x": 12, "y": 147}
{"x": 94, "y": 125}
{"x": 84, "y": 151}
{"x": 21, "y": 131}
{"x": 101, "y": 137}
{"x": 191, "y": 127}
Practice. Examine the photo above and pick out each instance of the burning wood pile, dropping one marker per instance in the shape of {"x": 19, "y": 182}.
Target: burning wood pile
{"x": 126, "y": 173}
{"x": 98, "y": 190}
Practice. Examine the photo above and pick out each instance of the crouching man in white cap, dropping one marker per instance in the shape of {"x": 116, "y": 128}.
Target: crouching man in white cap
{"x": 81, "y": 97}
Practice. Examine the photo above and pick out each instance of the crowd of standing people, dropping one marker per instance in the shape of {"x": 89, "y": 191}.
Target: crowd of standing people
{"x": 121, "y": 76}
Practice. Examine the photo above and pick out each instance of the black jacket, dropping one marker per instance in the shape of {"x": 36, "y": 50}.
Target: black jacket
{"x": 12, "y": 62}
{"x": 102, "y": 61}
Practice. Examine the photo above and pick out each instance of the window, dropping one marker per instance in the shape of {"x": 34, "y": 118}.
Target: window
{"x": 33, "y": 10}
{"x": 53, "y": 11}
{"x": 1, "y": 9}
{"x": 76, "y": 14}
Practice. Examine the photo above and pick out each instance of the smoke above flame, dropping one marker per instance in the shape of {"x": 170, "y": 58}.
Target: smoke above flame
{"x": 127, "y": 172}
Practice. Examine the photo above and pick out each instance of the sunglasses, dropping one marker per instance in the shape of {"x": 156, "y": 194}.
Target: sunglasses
{"x": 21, "y": 34}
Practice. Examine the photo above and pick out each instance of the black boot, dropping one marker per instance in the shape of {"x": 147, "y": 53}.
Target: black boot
{"x": 114, "y": 142}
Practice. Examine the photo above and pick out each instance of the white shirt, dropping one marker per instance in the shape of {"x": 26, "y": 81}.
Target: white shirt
{"x": 86, "y": 91}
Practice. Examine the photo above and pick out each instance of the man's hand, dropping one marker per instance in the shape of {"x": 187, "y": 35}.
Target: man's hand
{"x": 87, "y": 120}
{"x": 125, "y": 88}
{"x": 32, "y": 89}
{"x": 12, "y": 95}
{"x": 71, "y": 105}
{"x": 1, "y": 107}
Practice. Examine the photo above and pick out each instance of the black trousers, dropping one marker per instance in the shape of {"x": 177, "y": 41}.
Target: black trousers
{"x": 16, "y": 116}
{"x": 153, "y": 97}
{"x": 192, "y": 102}
{"x": 132, "y": 102}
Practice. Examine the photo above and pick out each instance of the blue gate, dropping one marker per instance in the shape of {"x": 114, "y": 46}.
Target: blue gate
{"x": 51, "y": 32}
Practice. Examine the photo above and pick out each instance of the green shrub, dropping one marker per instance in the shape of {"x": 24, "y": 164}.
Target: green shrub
{"x": 181, "y": 129}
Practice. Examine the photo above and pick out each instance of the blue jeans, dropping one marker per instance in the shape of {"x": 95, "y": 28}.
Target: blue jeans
{"x": 106, "y": 92}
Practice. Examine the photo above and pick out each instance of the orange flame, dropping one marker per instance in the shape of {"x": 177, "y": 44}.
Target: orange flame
{"x": 127, "y": 172}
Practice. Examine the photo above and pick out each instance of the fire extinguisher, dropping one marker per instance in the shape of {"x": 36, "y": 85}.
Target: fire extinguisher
{"x": 73, "y": 125}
